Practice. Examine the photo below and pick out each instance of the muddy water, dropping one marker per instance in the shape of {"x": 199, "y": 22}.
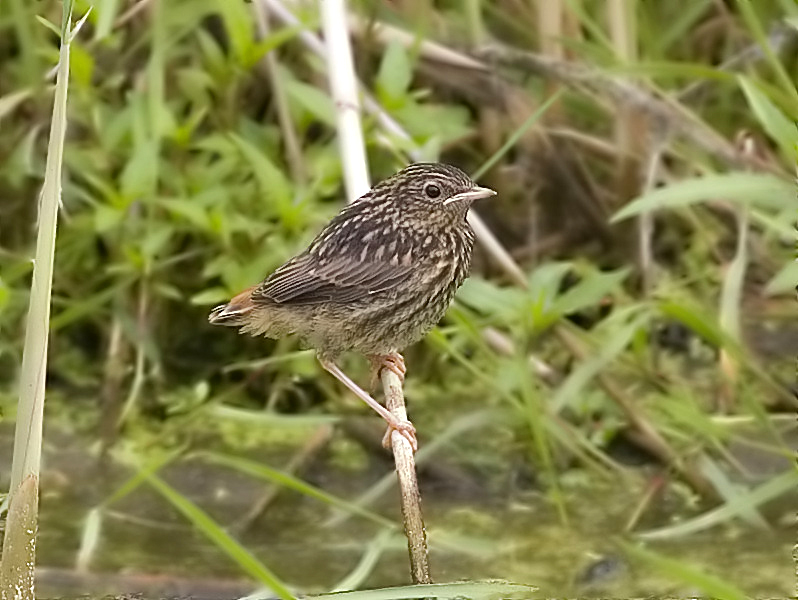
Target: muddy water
{"x": 146, "y": 546}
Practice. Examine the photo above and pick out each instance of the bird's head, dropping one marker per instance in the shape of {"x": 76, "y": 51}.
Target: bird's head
{"x": 436, "y": 189}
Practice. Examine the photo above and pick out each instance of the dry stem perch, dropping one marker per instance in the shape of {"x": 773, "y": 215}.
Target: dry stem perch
{"x": 410, "y": 503}
{"x": 376, "y": 279}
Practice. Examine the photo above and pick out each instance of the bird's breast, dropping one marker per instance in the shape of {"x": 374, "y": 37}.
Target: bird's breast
{"x": 442, "y": 262}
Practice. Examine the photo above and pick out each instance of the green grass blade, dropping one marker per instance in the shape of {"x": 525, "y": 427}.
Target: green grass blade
{"x": 476, "y": 590}
{"x": 19, "y": 551}
{"x": 742, "y": 504}
{"x": 261, "y": 471}
{"x": 742, "y": 188}
{"x": 140, "y": 477}
{"x": 675, "y": 570}
{"x": 368, "y": 561}
{"x": 513, "y": 139}
{"x": 221, "y": 539}
{"x": 755, "y": 27}
{"x": 781, "y": 130}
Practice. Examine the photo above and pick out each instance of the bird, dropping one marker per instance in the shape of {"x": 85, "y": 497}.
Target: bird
{"x": 375, "y": 280}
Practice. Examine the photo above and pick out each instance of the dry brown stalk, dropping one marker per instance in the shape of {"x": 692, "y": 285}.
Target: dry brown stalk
{"x": 408, "y": 483}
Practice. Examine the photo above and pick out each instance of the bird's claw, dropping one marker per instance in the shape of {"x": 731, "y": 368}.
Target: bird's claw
{"x": 404, "y": 428}
{"x": 393, "y": 362}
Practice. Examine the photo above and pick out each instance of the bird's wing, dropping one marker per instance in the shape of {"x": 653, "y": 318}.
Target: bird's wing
{"x": 309, "y": 279}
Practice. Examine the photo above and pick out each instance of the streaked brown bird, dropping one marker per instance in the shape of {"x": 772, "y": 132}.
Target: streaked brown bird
{"x": 376, "y": 279}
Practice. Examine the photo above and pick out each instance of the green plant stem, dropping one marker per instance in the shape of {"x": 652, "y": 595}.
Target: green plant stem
{"x": 18, "y": 563}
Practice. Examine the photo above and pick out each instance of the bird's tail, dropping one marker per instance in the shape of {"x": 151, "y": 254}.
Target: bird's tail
{"x": 235, "y": 312}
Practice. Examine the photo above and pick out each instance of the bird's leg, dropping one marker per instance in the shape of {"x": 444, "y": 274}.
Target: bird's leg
{"x": 405, "y": 428}
{"x": 394, "y": 362}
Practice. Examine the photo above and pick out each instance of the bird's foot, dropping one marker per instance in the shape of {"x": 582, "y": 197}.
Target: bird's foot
{"x": 404, "y": 428}
{"x": 394, "y": 362}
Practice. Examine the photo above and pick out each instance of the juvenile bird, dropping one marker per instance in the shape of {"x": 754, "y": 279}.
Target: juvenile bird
{"x": 376, "y": 279}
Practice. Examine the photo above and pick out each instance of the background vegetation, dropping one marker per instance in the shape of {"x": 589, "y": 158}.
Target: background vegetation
{"x": 608, "y": 407}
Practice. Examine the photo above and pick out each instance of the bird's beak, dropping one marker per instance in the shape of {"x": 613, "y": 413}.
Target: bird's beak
{"x": 475, "y": 193}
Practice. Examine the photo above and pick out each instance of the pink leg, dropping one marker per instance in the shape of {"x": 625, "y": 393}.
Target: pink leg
{"x": 405, "y": 428}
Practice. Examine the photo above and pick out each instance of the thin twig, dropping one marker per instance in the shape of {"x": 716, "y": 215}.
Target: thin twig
{"x": 408, "y": 484}
{"x": 344, "y": 89}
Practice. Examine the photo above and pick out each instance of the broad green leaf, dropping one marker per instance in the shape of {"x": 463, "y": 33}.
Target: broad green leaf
{"x": 270, "y": 42}
{"x": 312, "y": 99}
{"x": 546, "y": 280}
{"x": 213, "y": 56}
{"x": 590, "y": 291}
{"x": 153, "y": 242}
{"x": 424, "y": 121}
{"x": 745, "y": 188}
{"x": 106, "y": 218}
{"x": 212, "y": 295}
{"x": 239, "y": 25}
{"x": 697, "y": 318}
{"x": 138, "y": 176}
{"x": 490, "y": 299}
{"x": 394, "y": 76}
{"x": 192, "y": 210}
{"x": 104, "y": 17}
{"x": 272, "y": 181}
{"x": 81, "y": 65}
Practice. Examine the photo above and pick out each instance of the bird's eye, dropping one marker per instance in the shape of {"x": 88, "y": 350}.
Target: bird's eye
{"x": 432, "y": 190}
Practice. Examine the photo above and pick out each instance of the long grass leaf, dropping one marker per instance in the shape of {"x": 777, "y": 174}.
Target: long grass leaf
{"x": 475, "y": 590}
{"x": 755, "y": 27}
{"x": 19, "y": 544}
{"x": 773, "y": 488}
{"x": 781, "y": 130}
{"x": 675, "y": 570}
{"x": 221, "y": 539}
{"x": 753, "y": 189}
{"x": 367, "y": 562}
{"x": 513, "y": 139}
{"x": 261, "y": 471}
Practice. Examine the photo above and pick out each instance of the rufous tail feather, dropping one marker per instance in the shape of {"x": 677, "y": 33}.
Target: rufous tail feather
{"x": 234, "y": 312}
